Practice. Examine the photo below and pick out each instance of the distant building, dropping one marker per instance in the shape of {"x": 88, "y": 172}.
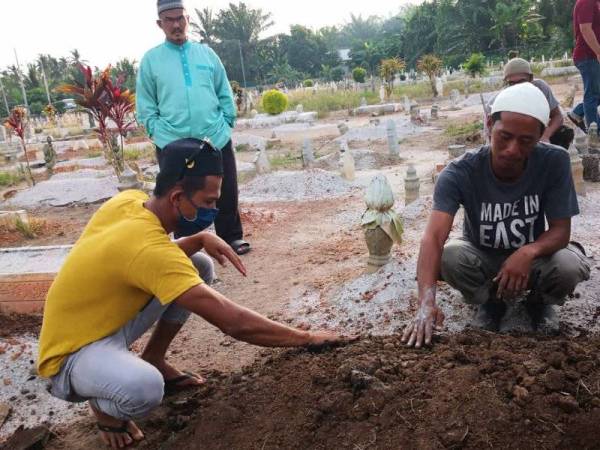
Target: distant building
{"x": 69, "y": 103}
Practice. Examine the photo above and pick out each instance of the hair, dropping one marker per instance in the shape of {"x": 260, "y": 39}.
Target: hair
{"x": 498, "y": 116}
{"x": 190, "y": 184}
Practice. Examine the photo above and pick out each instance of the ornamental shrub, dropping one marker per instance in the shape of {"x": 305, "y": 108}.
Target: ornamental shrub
{"x": 274, "y": 102}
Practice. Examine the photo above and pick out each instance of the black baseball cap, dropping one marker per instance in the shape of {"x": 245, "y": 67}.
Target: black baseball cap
{"x": 190, "y": 157}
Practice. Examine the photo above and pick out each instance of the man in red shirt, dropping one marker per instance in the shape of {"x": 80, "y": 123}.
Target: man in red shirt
{"x": 586, "y": 27}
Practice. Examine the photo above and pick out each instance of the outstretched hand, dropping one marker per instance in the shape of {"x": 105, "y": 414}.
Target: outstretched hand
{"x": 429, "y": 317}
{"x": 220, "y": 250}
{"x": 319, "y": 339}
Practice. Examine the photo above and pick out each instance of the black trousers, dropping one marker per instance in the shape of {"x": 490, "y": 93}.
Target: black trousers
{"x": 228, "y": 223}
{"x": 563, "y": 136}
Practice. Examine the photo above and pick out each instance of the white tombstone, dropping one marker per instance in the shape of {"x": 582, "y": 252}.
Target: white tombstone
{"x": 382, "y": 94}
{"x": 454, "y": 97}
{"x": 3, "y": 134}
{"x": 363, "y": 102}
{"x": 392, "y": 137}
{"x": 348, "y": 166}
{"x": 300, "y": 109}
{"x": 308, "y": 156}
{"x": 253, "y": 113}
{"x": 262, "y": 163}
{"x": 439, "y": 85}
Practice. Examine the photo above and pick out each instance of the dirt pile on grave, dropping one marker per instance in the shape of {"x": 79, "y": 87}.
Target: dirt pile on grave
{"x": 474, "y": 390}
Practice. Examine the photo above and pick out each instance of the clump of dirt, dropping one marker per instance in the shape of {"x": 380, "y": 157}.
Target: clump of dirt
{"x": 19, "y": 324}
{"x": 473, "y": 390}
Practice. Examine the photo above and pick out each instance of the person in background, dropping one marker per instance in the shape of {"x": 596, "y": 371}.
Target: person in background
{"x": 183, "y": 92}
{"x": 586, "y": 27}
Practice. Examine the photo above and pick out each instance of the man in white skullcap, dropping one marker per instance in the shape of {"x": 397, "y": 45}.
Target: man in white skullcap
{"x": 508, "y": 190}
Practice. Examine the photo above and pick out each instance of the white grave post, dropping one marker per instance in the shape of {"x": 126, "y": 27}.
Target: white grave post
{"x": 308, "y": 156}
{"x": 392, "y": 137}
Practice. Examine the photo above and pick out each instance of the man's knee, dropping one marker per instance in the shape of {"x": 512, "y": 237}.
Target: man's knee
{"x": 205, "y": 266}
{"x": 143, "y": 393}
{"x": 561, "y": 273}
{"x": 455, "y": 256}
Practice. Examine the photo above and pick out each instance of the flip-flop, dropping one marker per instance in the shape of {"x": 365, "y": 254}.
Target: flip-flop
{"x": 240, "y": 246}
{"x": 174, "y": 385}
{"x": 120, "y": 429}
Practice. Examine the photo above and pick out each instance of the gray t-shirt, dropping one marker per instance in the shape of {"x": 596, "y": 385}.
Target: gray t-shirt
{"x": 503, "y": 216}
{"x": 542, "y": 86}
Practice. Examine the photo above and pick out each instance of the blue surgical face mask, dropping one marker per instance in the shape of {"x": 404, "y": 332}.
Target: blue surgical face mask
{"x": 204, "y": 218}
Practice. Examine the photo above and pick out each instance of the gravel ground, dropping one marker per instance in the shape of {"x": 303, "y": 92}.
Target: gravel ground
{"x": 290, "y": 186}
{"x": 71, "y": 189}
{"x": 25, "y": 392}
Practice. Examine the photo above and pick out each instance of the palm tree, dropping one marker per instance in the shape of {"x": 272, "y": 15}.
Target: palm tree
{"x": 206, "y": 29}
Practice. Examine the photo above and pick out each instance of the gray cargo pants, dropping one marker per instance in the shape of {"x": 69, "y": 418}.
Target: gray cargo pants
{"x": 471, "y": 271}
{"x": 114, "y": 380}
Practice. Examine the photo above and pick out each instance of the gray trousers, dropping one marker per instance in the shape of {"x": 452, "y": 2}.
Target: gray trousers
{"x": 109, "y": 376}
{"x": 471, "y": 271}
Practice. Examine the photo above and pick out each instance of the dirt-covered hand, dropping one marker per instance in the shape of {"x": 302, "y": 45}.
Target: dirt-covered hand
{"x": 321, "y": 338}
{"x": 429, "y": 317}
{"x": 221, "y": 251}
{"x": 513, "y": 277}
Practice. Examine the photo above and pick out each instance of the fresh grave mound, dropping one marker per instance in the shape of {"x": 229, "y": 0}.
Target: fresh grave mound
{"x": 288, "y": 186}
{"x": 474, "y": 390}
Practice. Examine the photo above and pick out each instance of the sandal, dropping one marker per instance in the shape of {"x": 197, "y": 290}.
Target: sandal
{"x": 174, "y": 385}
{"x": 240, "y": 246}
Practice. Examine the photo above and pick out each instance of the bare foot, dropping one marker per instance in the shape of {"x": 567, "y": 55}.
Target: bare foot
{"x": 117, "y": 439}
{"x": 170, "y": 373}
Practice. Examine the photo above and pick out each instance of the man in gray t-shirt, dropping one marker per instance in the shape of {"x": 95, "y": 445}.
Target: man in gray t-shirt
{"x": 518, "y": 70}
{"x": 509, "y": 191}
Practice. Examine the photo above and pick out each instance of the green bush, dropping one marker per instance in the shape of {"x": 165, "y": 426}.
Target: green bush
{"x": 274, "y": 102}
{"x": 475, "y": 65}
{"x": 337, "y": 73}
{"x": 359, "y": 75}
{"x": 308, "y": 83}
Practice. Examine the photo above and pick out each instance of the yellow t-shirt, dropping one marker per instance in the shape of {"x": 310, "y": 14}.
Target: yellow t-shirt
{"x": 123, "y": 258}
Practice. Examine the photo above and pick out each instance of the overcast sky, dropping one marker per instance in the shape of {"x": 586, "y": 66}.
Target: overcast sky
{"x": 107, "y": 30}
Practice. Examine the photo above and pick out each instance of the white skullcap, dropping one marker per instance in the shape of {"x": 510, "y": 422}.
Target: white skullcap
{"x": 523, "y": 98}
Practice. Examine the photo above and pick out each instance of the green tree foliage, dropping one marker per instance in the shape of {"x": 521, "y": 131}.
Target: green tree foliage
{"x": 475, "y": 65}
{"x": 430, "y": 65}
{"x": 451, "y": 29}
{"x": 388, "y": 70}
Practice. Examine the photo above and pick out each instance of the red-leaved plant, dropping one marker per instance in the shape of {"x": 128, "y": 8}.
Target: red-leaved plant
{"x": 17, "y": 121}
{"x": 107, "y": 101}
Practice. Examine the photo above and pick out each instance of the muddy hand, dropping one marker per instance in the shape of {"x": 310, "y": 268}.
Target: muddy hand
{"x": 324, "y": 338}
{"x": 420, "y": 330}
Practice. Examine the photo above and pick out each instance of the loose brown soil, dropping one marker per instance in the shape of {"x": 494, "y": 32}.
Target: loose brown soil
{"x": 474, "y": 390}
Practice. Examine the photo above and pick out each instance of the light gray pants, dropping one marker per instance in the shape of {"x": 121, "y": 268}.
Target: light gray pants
{"x": 471, "y": 271}
{"x": 113, "y": 379}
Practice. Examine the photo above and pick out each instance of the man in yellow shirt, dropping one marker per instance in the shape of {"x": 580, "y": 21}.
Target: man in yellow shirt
{"x": 124, "y": 274}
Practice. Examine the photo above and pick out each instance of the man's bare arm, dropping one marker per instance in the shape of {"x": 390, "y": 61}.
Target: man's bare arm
{"x": 590, "y": 37}
{"x": 428, "y": 271}
{"x": 556, "y": 121}
{"x": 244, "y": 324}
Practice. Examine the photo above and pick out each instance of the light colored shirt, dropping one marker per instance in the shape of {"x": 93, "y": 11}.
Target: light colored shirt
{"x": 183, "y": 92}
{"x": 122, "y": 260}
